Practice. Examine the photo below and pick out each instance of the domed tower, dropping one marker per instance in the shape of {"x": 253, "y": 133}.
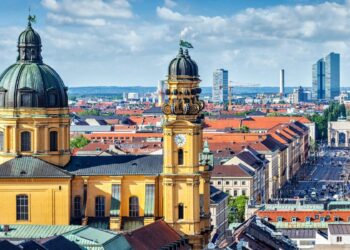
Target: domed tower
{"x": 186, "y": 181}
{"x": 34, "y": 117}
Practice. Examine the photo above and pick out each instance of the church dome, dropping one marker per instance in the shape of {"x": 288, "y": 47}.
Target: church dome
{"x": 183, "y": 65}
{"x": 29, "y": 37}
{"x": 29, "y": 83}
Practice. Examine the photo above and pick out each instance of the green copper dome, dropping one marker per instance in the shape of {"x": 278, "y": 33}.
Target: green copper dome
{"x": 30, "y": 83}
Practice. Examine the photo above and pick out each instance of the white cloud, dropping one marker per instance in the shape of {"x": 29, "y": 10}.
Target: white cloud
{"x": 169, "y": 15}
{"x": 252, "y": 44}
{"x": 60, "y": 19}
{"x": 170, "y": 3}
{"x": 90, "y": 8}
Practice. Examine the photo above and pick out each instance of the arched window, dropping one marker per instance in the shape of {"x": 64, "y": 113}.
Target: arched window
{"x": 26, "y": 143}
{"x": 181, "y": 211}
{"x": 100, "y": 206}
{"x": 180, "y": 157}
{"x": 133, "y": 206}
{"x": 1, "y": 141}
{"x": 53, "y": 141}
{"x": 77, "y": 207}
{"x": 22, "y": 207}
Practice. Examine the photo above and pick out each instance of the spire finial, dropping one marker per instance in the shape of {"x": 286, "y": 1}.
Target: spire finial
{"x": 31, "y": 18}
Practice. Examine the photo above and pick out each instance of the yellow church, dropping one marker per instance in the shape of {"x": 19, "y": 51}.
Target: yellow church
{"x": 41, "y": 183}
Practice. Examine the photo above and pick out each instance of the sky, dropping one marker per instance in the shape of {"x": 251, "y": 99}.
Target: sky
{"x": 131, "y": 42}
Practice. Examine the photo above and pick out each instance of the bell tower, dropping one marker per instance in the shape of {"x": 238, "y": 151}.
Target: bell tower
{"x": 186, "y": 182}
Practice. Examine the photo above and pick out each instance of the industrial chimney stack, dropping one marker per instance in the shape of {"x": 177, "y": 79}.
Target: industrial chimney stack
{"x": 282, "y": 82}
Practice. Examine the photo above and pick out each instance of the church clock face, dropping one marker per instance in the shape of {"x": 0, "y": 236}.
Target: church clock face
{"x": 180, "y": 140}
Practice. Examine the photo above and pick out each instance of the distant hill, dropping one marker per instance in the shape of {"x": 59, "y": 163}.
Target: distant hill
{"x": 206, "y": 91}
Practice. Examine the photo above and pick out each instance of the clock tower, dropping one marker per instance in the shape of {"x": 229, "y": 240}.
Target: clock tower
{"x": 186, "y": 178}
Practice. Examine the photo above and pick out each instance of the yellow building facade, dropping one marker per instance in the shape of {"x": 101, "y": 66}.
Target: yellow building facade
{"x": 41, "y": 183}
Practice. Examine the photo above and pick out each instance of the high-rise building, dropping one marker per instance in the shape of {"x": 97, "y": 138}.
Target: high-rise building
{"x": 332, "y": 75}
{"x": 282, "y": 82}
{"x": 326, "y": 77}
{"x": 161, "y": 92}
{"x": 299, "y": 95}
{"x": 220, "y": 86}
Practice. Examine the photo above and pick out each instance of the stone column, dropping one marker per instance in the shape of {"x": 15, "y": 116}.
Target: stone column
{"x": 14, "y": 139}
{"x": 36, "y": 139}
{"x": 7, "y": 137}
{"x": 337, "y": 139}
{"x": 46, "y": 139}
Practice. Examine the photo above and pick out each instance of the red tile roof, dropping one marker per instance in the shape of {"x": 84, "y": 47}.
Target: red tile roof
{"x": 154, "y": 236}
{"x": 229, "y": 171}
{"x": 301, "y": 215}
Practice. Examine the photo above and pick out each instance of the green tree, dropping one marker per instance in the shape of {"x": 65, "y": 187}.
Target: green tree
{"x": 244, "y": 129}
{"x": 237, "y": 208}
{"x": 90, "y": 112}
{"x": 342, "y": 110}
{"x": 79, "y": 142}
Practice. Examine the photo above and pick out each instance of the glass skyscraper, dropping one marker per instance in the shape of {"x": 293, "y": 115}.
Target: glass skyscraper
{"x": 326, "y": 77}
{"x": 220, "y": 86}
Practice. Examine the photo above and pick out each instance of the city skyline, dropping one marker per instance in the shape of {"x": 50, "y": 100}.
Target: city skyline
{"x": 128, "y": 42}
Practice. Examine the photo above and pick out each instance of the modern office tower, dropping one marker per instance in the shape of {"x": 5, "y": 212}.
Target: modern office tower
{"x": 220, "y": 86}
{"x": 161, "y": 92}
{"x": 282, "y": 82}
{"x": 299, "y": 95}
{"x": 332, "y": 75}
{"x": 326, "y": 77}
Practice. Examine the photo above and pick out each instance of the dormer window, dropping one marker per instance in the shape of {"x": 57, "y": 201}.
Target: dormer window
{"x": 52, "y": 99}
{"x": 26, "y": 99}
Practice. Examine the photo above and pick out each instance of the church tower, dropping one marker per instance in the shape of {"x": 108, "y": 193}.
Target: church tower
{"x": 186, "y": 179}
{"x": 34, "y": 117}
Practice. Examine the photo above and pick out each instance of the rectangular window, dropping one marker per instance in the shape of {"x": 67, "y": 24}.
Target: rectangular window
{"x": 26, "y": 100}
{"x": 294, "y": 219}
{"x": 115, "y": 202}
{"x": 339, "y": 238}
{"x": 227, "y": 183}
{"x": 219, "y": 182}
{"x": 322, "y": 219}
{"x": 100, "y": 206}
{"x": 244, "y": 192}
{"x": 235, "y": 193}
{"x": 336, "y": 218}
{"x": 243, "y": 183}
{"x": 77, "y": 207}
{"x": 308, "y": 219}
{"x": 26, "y": 143}
{"x": 1, "y": 141}
{"x": 2, "y": 99}
{"x": 53, "y": 141}
{"x": 279, "y": 219}
{"x": 201, "y": 204}
{"x": 22, "y": 207}
{"x": 149, "y": 201}
{"x": 235, "y": 183}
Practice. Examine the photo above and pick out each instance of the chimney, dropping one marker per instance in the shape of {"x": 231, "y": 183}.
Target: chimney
{"x": 282, "y": 82}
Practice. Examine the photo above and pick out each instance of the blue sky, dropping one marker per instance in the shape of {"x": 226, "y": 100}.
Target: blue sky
{"x": 130, "y": 42}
